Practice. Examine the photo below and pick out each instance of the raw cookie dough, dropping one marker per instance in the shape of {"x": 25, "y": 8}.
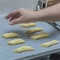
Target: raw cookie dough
{"x": 10, "y": 35}
{"x": 23, "y": 49}
{"x": 47, "y": 44}
{"x": 40, "y": 35}
{"x": 28, "y": 25}
{"x": 34, "y": 30}
{"x": 16, "y": 41}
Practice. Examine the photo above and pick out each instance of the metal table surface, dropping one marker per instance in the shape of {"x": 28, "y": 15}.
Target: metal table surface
{"x": 6, "y": 51}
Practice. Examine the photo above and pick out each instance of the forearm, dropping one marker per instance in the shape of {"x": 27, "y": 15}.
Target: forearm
{"x": 49, "y": 14}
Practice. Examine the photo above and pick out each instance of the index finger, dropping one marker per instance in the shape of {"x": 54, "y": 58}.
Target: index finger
{"x": 9, "y": 15}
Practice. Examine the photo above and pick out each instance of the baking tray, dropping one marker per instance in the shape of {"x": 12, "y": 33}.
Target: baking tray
{"x": 6, "y": 51}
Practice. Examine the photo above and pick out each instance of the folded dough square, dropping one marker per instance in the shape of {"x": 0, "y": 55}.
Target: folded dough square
{"x": 26, "y": 25}
{"x": 34, "y": 30}
{"x": 10, "y": 35}
{"x": 16, "y": 41}
{"x": 23, "y": 49}
{"x": 48, "y": 44}
{"x": 40, "y": 36}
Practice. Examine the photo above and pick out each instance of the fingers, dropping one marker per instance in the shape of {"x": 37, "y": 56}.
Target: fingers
{"x": 16, "y": 21}
{"x": 9, "y": 15}
{"x": 21, "y": 19}
{"x": 12, "y": 14}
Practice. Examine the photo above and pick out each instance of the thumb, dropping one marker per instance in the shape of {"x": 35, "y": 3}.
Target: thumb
{"x": 16, "y": 21}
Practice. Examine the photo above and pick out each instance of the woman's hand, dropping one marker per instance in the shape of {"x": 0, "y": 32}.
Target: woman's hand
{"x": 21, "y": 15}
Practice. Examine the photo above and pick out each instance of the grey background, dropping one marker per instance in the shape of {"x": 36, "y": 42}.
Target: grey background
{"x": 9, "y": 5}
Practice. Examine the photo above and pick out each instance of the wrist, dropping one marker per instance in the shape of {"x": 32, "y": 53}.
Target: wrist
{"x": 39, "y": 15}
{"x": 42, "y": 16}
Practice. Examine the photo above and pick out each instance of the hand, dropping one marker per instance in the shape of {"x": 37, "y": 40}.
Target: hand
{"x": 21, "y": 15}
